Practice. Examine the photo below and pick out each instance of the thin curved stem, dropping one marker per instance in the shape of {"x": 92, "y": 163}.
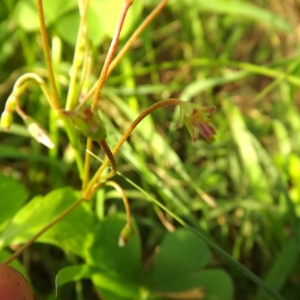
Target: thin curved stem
{"x": 124, "y": 199}
{"x": 55, "y": 98}
{"x": 100, "y": 82}
{"x": 20, "y": 85}
{"x": 46, "y": 49}
{"x": 88, "y": 191}
{"x": 127, "y": 46}
{"x": 48, "y": 226}
{"x": 75, "y": 66}
{"x": 87, "y": 163}
{"x": 137, "y": 33}
{"x": 110, "y": 54}
{"x": 111, "y": 159}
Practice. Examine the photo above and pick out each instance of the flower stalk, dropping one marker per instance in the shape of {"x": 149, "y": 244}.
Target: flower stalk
{"x": 127, "y": 230}
{"x": 46, "y": 48}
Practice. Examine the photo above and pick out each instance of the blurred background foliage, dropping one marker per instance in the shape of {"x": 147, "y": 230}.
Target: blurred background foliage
{"x": 243, "y": 190}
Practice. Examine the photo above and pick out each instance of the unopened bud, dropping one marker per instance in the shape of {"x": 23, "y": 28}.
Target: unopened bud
{"x": 88, "y": 122}
{"x": 6, "y": 120}
{"x": 125, "y": 235}
{"x": 38, "y": 132}
{"x": 10, "y": 105}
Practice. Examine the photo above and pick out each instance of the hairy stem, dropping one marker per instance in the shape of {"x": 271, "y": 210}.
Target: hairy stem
{"x": 100, "y": 83}
{"x": 125, "y": 200}
{"x": 70, "y": 104}
{"x": 90, "y": 187}
{"x": 20, "y": 85}
{"x": 128, "y": 45}
{"x": 111, "y": 159}
{"x": 46, "y": 49}
{"x": 110, "y": 54}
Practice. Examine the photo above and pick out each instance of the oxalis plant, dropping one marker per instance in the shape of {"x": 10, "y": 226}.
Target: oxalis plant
{"x": 111, "y": 251}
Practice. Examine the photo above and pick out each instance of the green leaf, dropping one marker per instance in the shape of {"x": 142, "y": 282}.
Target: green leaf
{"x": 119, "y": 267}
{"x": 69, "y": 233}
{"x": 216, "y": 284}
{"x": 67, "y": 27}
{"x": 55, "y": 9}
{"x": 108, "y": 13}
{"x": 287, "y": 258}
{"x": 245, "y": 141}
{"x": 11, "y": 152}
{"x": 196, "y": 87}
{"x": 73, "y": 273}
{"x": 181, "y": 254}
{"x": 238, "y": 8}
{"x": 13, "y": 196}
{"x": 26, "y": 16}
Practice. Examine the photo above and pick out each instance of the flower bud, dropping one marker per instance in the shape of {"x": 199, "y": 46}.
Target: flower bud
{"x": 10, "y": 104}
{"x": 6, "y": 119}
{"x": 197, "y": 120}
{"x": 125, "y": 235}
{"x": 88, "y": 122}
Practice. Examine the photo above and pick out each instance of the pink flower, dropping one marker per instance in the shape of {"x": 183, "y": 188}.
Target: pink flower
{"x": 197, "y": 120}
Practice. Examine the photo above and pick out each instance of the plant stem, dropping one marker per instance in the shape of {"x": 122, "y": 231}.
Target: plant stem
{"x": 112, "y": 173}
{"x": 111, "y": 158}
{"x": 48, "y": 226}
{"x": 70, "y": 130}
{"x": 87, "y": 163}
{"x": 70, "y": 103}
{"x": 125, "y": 200}
{"x": 110, "y": 54}
{"x": 101, "y": 80}
{"x": 137, "y": 33}
{"x": 128, "y": 45}
{"x": 88, "y": 191}
{"x": 55, "y": 98}
{"x": 20, "y": 85}
{"x": 47, "y": 54}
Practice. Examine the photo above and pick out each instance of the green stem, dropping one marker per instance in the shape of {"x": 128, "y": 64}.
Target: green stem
{"x": 111, "y": 158}
{"x": 125, "y": 200}
{"x": 88, "y": 191}
{"x": 112, "y": 173}
{"x": 71, "y": 100}
{"x": 100, "y": 83}
{"x": 46, "y": 49}
{"x": 87, "y": 163}
{"x": 128, "y": 45}
{"x": 70, "y": 130}
{"x": 110, "y": 54}
{"x": 20, "y": 85}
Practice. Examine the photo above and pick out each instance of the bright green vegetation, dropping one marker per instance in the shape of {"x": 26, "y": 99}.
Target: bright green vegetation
{"x": 215, "y": 220}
